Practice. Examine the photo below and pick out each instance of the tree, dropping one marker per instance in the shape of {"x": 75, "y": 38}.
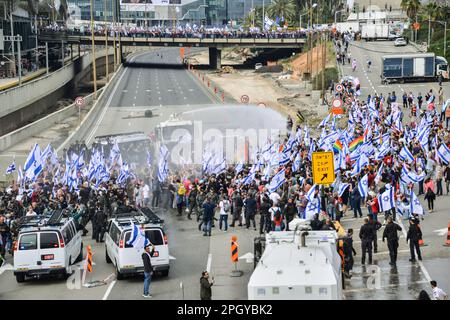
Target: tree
{"x": 283, "y": 9}
{"x": 256, "y": 16}
{"x": 411, "y": 7}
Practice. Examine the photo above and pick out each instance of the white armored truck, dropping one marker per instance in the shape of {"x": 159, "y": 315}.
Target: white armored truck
{"x": 297, "y": 265}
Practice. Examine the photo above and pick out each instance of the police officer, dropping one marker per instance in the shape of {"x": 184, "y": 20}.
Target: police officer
{"x": 238, "y": 203}
{"x": 376, "y": 225}
{"x": 366, "y": 234}
{"x": 192, "y": 200}
{"x": 390, "y": 232}
{"x": 349, "y": 251}
{"x": 99, "y": 221}
{"x": 414, "y": 235}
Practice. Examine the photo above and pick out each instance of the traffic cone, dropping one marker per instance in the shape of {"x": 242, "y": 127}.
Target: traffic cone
{"x": 421, "y": 242}
{"x": 447, "y": 243}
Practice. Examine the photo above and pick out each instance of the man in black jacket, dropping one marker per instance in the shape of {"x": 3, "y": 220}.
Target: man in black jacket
{"x": 205, "y": 286}
{"x": 390, "y": 232}
{"x": 349, "y": 251}
{"x": 414, "y": 235}
{"x": 376, "y": 225}
{"x": 366, "y": 234}
{"x": 99, "y": 223}
{"x": 148, "y": 269}
{"x": 290, "y": 210}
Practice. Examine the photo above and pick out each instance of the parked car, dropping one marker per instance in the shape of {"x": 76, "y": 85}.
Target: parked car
{"x": 400, "y": 42}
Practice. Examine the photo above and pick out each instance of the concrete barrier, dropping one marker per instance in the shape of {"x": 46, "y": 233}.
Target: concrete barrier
{"x": 83, "y": 128}
{"x": 40, "y": 125}
{"x": 14, "y": 99}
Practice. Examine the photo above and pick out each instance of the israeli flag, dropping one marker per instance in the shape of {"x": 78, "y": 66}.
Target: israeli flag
{"x": 386, "y": 200}
{"x": 360, "y": 164}
{"x": 384, "y": 150}
{"x": 297, "y": 162}
{"x": 409, "y": 176}
{"x": 312, "y": 208}
{"x": 283, "y": 158}
{"x": 444, "y": 154}
{"x": 310, "y": 194}
{"x": 238, "y": 168}
{"x": 406, "y": 155}
{"x": 277, "y": 181}
{"x": 363, "y": 186}
{"x": 249, "y": 178}
{"x": 342, "y": 188}
{"x": 379, "y": 173}
{"x": 415, "y": 206}
{"x": 324, "y": 121}
{"x": 11, "y": 168}
{"x": 33, "y": 164}
{"x": 137, "y": 239}
{"x": 46, "y": 153}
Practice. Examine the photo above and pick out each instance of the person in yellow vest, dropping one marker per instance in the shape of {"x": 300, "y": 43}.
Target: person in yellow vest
{"x": 181, "y": 192}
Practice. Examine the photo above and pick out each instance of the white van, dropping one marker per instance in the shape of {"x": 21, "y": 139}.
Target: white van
{"x": 47, "y": 245}
{"x": 125, "y": 258}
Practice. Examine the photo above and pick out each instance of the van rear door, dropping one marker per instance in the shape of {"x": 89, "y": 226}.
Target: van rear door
{"x": 51, "y": 253}
{"x": 129, "y": 257}
{"x": 156, "y": 236}
{"x": 27, "y": 255}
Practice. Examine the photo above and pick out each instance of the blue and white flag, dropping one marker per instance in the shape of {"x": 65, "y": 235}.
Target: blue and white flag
{"x": 20, "y": 176}
{"x": 415, "y": 206}
{"x": 410, "y": 176}
{"x": 360, "y": 164}
{"x": 238, "y": 168}
{"x": 363, "y": 186}
{"x": 312, "y": 208}
{"x": 149, "y": 158}
{"x": 379, "y": 173}
{"x": 406, "y": 155}
{"x": 324, "y": 121}
{"x": 11, "y": 168}
{"x": 386, "y": 200}
{"x": 342, "y": 188}
{"x": 33, "y": 164}
{"x": 277, "y": 181}
{"x": 444, "y": 154}
{"x": 283, "y": 158}
{"x": 137, "y": 239}
{"x": 297, "y": 162}
{"x": 311, "y": 192}
{"x": 249, "y": 178}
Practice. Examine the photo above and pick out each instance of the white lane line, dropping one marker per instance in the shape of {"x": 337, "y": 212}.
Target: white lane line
{"x": 134, "y": 97}
{"x": 125, "y": 91}
{"x": 105, "y": 108}
{"x": 208, "y": 264}
{"x": 108, "y": 291}
{"x": 184, "y": 98}
{"x": 422, "y": 267}
{"x": 159, "y": 98}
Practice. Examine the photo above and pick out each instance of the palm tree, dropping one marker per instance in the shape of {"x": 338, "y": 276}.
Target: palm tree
{"x": 283, "y": 8}
{"x": 411, "y": 7}
{"x": 255, "y": 15}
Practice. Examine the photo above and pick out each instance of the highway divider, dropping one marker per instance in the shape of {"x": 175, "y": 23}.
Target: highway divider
{"x": 211, "y": 86}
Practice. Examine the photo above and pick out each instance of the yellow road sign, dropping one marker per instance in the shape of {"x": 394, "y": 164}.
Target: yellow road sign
{"x": 323, "y": 167}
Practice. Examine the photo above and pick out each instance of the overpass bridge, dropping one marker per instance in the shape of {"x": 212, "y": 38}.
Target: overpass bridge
{"x": 215, "y": 44}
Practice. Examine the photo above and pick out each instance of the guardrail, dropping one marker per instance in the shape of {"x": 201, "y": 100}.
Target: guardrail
{"x": 176, "y": 41}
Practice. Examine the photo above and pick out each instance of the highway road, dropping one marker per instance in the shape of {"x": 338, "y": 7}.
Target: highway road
{"x": 166, "y": 89}
{"x": 406, "y": 281}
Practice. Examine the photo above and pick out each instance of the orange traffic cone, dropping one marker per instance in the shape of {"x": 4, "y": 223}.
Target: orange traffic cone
{"x": 447, "y": 243}
{"x": 421, "y": 242}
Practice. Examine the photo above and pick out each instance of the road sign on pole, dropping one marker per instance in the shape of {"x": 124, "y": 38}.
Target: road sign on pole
{"x": 339, "y": 87}
{"x": 245, "y": 98}
{"x": 323, "y": 167}
{"x": 79, "y": 101}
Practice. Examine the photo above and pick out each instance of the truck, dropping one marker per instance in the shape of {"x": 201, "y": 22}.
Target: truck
{"x": 377, "y": 32}
{"x": 413, "y": 67}
{"x": 297, "y": 265}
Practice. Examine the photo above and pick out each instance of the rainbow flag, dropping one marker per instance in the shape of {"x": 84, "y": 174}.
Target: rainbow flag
{"x": 337, "y": 146}
{"x": 355, "y": 143}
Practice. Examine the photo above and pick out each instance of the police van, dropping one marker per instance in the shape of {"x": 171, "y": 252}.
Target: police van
{"x": 47, "y": 245}
{"x": 126, "y": 259}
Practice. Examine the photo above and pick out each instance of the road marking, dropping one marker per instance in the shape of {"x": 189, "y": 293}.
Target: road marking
{"x": 100, "y": 119}
{"x": 172, "y": 258}
{"x": 208, "y": 264}
{"x": 134, "y": 104}
{"x": 125, "y": 91}
{"x": 108, "y": 291}
{"x": 385, "y": 287}
{"x": 5, "y": 267}
{"x": 148, "y": 90}
{"x": 159, "y": 98}
{"x": 134, "y": 97}
{"x": 441, "y": 232}
{"x": 169, "y": 90}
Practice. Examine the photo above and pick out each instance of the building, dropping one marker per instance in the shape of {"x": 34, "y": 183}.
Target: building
{"x": 165, "y": 12}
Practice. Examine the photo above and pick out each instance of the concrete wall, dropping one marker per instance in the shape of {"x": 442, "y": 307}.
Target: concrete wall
{"x": 21, "y": 105}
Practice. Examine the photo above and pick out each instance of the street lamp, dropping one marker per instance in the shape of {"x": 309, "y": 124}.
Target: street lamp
{"x": 444, "y": 23}
{"x": 300, "y": 25}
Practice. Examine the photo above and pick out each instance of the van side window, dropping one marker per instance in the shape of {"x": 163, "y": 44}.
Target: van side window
{"x": 49, "y": 240}
{"x": 73, "y": 228}
{"x": 28, "y": 242}
{"x": 114, "y": 233}
{"x": 67, "y": 234}
{"x": 155, "y": 236}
